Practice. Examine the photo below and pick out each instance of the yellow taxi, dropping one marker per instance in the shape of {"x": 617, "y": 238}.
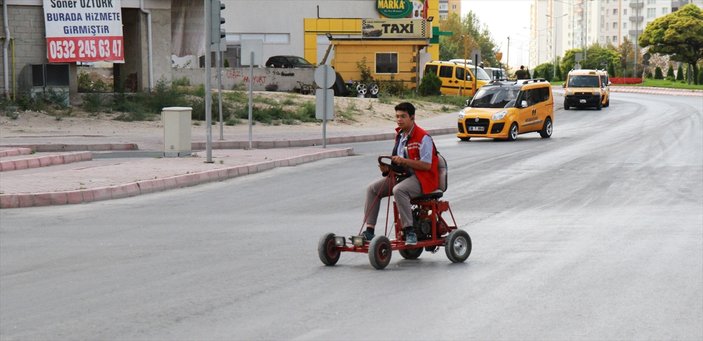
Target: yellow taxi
{"x": 457, "y": 78}
{"x": 587, "y": 88}
{"x": 505, "y": 109}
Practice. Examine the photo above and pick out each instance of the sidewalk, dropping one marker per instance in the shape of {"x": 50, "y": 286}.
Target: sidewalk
{"x": 129, "y": 163}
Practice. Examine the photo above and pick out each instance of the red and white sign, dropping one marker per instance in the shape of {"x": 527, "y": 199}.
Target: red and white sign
{"x": 84, "y": 31}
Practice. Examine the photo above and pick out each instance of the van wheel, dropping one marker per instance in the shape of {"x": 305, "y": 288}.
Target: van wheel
{"x": 464, "y": 138}
{"x": 599, "y": 106}
{"x": 607, "y": 103}
{"x": 566, "y": 106}
{"x": 513, "y": 132}
{"x": 546, "y": 131}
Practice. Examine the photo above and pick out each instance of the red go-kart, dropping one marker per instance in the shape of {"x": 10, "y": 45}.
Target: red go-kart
{"x": 431, "y": 229}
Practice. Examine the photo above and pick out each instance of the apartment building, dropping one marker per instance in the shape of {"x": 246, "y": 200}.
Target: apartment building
{"x": 560, "y": 25}
{"x": 447, "y": 7}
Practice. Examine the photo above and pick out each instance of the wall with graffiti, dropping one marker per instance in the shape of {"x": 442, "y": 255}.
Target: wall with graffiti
{"x": 271, "y": 79}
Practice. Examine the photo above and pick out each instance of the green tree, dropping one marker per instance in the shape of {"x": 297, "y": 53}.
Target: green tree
{"x": 670, "y": 73}
{"x": 679, "y": 73}
{"x": 467, "y": 34}
{"x": 545, "y": 70}
{"x": 658, "y": 74}
{"x": 678, "y": 34}
{"x": 597, "y": 57}
{"x": 430, "y": 85}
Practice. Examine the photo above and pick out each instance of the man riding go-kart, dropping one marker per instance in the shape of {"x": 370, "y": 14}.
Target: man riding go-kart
{"x": 415, "y": 158}
{"x": 416, "y": 175}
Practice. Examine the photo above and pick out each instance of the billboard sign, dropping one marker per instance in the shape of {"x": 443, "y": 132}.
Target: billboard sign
{"x": 84, "y": 31}
{"x": 394, "y": 8}
{"x": 395, "y": 28}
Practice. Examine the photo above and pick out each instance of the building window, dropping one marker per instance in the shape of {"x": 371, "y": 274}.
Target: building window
{"x": 624, "y": 11}
{"x": 651, "y": 12}
{"x": 615, "y": 11}
{"x": 386, "y": 63}
{"x": 615, "y": 39}
{"x": 665, "y": 11}
{"x": 651, "y": 2}
{"x": 615, "y": 25}
{"x": 624, "y": 25}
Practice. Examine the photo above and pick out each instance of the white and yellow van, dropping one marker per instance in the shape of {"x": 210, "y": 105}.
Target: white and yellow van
{"x": 458, "y": 78}
{"x": 586, "y": 88}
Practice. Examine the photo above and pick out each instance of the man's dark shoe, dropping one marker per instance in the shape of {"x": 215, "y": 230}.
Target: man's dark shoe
{"x": 368, "y": 235}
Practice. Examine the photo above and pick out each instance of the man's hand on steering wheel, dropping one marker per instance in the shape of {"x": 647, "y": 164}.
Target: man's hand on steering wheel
{"x": 399, "y": 160}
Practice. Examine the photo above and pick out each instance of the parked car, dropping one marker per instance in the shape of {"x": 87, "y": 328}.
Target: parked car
{"x": 504, "y": 109}
{"x": 496, "y": 73}
{"x": 457, "y": 78}
{"x": 288, "y": 62}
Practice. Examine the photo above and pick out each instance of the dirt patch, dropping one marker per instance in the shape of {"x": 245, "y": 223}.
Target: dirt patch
{"x": 349, "y": 112}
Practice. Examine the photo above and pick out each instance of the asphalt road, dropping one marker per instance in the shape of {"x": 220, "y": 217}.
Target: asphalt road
{"x": 594, "y": 234}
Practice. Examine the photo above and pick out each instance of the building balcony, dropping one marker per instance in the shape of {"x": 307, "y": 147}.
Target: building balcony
{"x": 634, "y": 33}
{"x": 637, "y": 18}
{"x": 637, "y": 5}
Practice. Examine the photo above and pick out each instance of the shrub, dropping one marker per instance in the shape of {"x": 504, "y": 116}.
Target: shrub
{"x": 679, "y": 73}
{"x": 430, "y": 85}
{"x": 670, "y": 73}
{"x": 92, "y": 102}
{"x": 658, "y": 74}
{"x": 392, "y": 87}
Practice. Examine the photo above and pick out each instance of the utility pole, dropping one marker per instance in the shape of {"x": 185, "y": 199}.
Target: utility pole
{"x": 507, "y": 56}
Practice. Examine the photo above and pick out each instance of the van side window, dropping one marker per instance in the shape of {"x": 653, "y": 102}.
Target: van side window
{"x": 462, "y": 74}
{"x": 445, "y": 71}
{"x": 431, "y": 69}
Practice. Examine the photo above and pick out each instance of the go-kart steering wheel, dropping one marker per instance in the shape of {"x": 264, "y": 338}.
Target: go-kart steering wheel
{"x": 386, "y": 160}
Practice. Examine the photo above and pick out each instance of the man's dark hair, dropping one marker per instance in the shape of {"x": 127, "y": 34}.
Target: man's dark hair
{"x": 406, "y": 107}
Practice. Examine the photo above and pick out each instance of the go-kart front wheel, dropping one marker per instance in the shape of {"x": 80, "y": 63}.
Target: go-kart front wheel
{"x": 458, "y": 246}
{"x": 411, "y": 253}
{"x": 327, "y": 249}
{"x": 380, "y": 252}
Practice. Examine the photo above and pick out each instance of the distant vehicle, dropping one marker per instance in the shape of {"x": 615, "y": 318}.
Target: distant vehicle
{"x": 288, "y": 62}
{"x": 586, "y": 88}
{"x": 495, "y": 73}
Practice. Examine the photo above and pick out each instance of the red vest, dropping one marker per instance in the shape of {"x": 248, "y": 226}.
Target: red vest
{"x": 429, "y": 179}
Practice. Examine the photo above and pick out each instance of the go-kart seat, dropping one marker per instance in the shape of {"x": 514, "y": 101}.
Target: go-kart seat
{"x": 436, "y": 194}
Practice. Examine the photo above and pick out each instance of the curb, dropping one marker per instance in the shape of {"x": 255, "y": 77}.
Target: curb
{"x": 310, "y": 142}
{"x": 15, "y": 152}
{"x": 157, "y": 185}
{"x": 76, "y": 147}
{"x": 44, "y": 161}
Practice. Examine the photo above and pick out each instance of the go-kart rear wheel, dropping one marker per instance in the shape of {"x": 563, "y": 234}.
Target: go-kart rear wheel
{"x": 380, "y": 252}
{"x": 327, "y": 249}
{"x": 411, "y": 253}
{"x": 458, "y": 246}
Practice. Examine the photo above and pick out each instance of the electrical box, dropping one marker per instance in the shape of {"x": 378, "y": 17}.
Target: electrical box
{"x": 177, "y": 139}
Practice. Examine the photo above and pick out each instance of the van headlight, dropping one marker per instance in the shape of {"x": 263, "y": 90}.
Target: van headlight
{"x": 499, "y": 115}
{"x": 461, "y": 114}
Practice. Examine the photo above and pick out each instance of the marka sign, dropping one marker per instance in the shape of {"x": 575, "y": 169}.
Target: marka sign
{"x": 394, "y": 8}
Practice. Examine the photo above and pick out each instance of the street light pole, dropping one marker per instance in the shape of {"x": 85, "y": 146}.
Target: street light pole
{"x": 554, "y": 41}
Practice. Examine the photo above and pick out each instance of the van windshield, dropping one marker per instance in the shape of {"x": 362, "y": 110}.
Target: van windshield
{"x": 495, "y": 97}
{"x": 583, "y": 81}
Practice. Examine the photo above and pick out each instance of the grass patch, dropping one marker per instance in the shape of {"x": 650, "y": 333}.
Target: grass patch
{"x": 665, "y": 83}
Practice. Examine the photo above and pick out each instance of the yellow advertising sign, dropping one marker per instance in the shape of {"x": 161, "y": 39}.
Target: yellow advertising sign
{"x": 395, "y": 29}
